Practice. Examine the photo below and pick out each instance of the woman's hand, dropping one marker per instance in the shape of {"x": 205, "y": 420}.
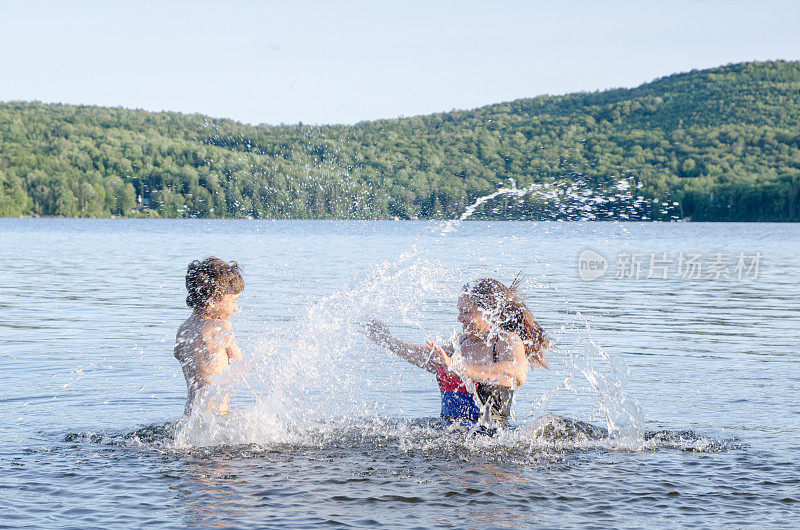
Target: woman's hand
{"x": 443, "y": 357}
{"x": 416, "y": 354}
{"x": 377, "y": 331}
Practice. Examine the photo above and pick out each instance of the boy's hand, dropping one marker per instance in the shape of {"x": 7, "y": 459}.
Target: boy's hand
{"x": 234, "y": 353}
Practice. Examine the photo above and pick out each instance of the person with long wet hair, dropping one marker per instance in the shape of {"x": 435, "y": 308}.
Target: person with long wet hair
{"x": 490, "y": 358}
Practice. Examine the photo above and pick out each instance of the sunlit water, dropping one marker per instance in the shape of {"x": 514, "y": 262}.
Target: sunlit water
{"x": 668, "y": 402}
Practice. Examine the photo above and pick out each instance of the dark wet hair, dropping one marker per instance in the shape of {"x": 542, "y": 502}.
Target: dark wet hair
{"x": 504, "y": 307}
{"x": 209, "y": 280}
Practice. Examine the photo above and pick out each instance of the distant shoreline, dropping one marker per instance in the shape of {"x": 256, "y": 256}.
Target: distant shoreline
{"x": 655, "y": 221}
{"x": 719, "y": 144}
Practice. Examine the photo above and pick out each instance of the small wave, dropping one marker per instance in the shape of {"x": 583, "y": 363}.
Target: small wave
{"x": 154, "y": 436}
{"x": 689, "y": 441}
{"x": 547, "y": 435}
{"x": 561, "y": 432}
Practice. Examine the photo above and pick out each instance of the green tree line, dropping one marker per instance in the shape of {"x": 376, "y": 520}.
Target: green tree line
{"x": 719, "y": 144}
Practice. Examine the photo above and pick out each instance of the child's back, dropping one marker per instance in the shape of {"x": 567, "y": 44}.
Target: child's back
{"x": 205, "y": 343}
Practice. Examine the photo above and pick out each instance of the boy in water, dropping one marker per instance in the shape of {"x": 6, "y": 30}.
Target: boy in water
{"x": 205, "y": 345}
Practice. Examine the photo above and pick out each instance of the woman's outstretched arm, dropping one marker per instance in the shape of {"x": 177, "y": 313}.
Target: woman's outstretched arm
{"x": 416, "y": 354}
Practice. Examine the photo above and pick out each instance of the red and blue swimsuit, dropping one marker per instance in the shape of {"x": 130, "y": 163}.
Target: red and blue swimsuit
{"x": 460, "y": 403}
{"x": 457, "y": 401}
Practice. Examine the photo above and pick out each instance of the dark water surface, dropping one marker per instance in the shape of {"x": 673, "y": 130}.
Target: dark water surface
{"x": 669, "y": 401}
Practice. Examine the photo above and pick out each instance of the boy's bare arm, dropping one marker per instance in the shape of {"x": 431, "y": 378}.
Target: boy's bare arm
{"x": 234, "y": 353}
{"x": 231, "y": 348}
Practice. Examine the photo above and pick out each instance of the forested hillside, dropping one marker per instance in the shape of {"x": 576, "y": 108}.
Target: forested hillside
{"x": 720, "y": 144}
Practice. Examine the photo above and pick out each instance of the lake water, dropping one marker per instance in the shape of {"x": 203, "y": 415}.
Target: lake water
{"x": 671, "y": 400}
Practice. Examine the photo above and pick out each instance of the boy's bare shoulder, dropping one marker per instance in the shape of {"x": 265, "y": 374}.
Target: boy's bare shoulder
{"x": 202, "y": 330}
{"x": 216, "y": 326}
{"x": 185, "y": 325}
{"x": 188, "y": 328}
{"x": 213, "y": 331}
{"x": 193, "y": 329}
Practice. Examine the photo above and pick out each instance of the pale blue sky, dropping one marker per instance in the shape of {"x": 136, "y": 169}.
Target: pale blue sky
{"x": 346, "y": 61}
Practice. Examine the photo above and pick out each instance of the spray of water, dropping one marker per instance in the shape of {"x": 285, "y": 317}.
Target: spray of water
{"x": 573, "y": 199}
{"x": 589, "y": 374}
{"x": 314, "y": 373}
{"x": 314, "y": 382}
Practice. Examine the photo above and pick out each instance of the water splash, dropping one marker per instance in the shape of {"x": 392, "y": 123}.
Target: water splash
{"x": 320, "y": 369}
{"x": 549, "y": 436}
{"x": 588, "y": 371}
{"x": 321, "y": 375}
{"x": 573, "y": 199}
{"x": 452, "y": 224}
